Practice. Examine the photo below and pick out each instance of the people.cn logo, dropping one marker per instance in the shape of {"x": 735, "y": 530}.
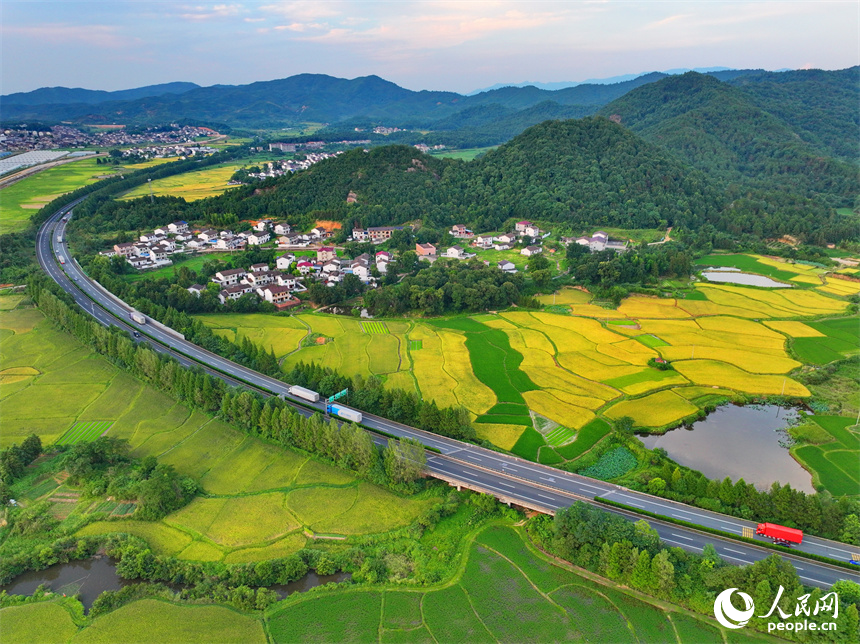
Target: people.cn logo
{"x": 728, "y": 615}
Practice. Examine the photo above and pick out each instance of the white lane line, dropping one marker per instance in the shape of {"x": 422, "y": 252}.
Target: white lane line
{"x": 817, "y": 581}
{"x": 737, "y": 552}
{"x": 683, "y": 545}
{"x": 506, "y": 485}
{"x": 543, "y": 496}
{"x": 737, "y": 559}
{"x": 680, "y": 536}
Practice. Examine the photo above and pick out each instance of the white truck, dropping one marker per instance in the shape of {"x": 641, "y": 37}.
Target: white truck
{"x": 60, "y": 239}
{"x": 306, "y": 394}
{"x": 62, "y": 259}
{"x": 344, "y": 412}
{"x": 138, "y": 317}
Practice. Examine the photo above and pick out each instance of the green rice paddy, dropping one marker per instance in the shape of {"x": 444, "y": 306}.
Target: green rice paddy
{"x": 834, "y": 462}
{"x": 841, "y": 339}
{"x": 85, "y": 432}
{"x": 374, "y": 327}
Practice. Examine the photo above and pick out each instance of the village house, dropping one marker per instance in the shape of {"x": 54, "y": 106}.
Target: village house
{"x": 229, "y": 277}
{"x": 139, "y": 262}
{"x": 305, "y": 267}
{"x": 286, "y": 280}
{"x": 381, "y": 233}
{"x": 383, "y": 256}
{"x": 125, "y": 250}
{"x": 600, "y": 241}
{"x": 319, "y": 233}
{"x": 506, "y": 238}
{"x": 196, "y": 289}
{"x": 507, "y": 266}
{"x": 425, "y": 250}
{"x": 455, "y": 252}
{"x": 326, "y": 253}
{"x": 460, "y": 231}
{"x": 521, "y": 226}
{"x": 528, "y": 251}
{"x": 257, "y": 239}
{"x": 259, "y": 268}
{"x": 230, "y": 243}
{"x": 484, "y": 241}
{"x": 282, "y": 228}
{"x": 151, "y": 238}
{"x": 262, "y": 225}
{"x": 234, "y": 292}
{"x": 278, "y": 295}
{"x": 178, "y": 227}
{"x": 161, "y": 231}
{"x": 531, "y": 231}
{"x": 283, "y": 262}
{"x": 359, "y": 234}
{"x": 207, "y": 235}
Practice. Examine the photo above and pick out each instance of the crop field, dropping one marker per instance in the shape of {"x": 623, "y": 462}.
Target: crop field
{"x": 549, "y": 602}
{"x": 654, "y": 410}
{"x": 36, "y": 623}
{"x": 85, "y": 432}
{"x": 374, "y": 327}
{"x": 838, "y": 339}
{"x": 24, "y": 198}
{"x": 834, "y": 459}
{"x": 466, "y": 154}
{"x": 840, "y": 287}
{"x": 750, "y": 264}
{"x": 189, "y": 185}
{"x": 500, "y": 434}
{"x": 251, "y": 478}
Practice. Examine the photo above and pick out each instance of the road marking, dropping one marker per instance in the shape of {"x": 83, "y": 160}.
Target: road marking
{"x": 817, "y": 581}
{"x": 737, "y": 552}
{"x": 544, "y": 478}
{"x": 543, "y": 496}
{"x": 680, "y": 536}
{"x": 738, "y": 559}
{"x": 684, "y": 545}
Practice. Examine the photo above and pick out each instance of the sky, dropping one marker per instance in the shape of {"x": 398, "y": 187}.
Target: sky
{"x": 450, "y": 45}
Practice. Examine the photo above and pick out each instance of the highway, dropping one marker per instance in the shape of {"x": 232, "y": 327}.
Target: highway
{"x": 507, "y": 476}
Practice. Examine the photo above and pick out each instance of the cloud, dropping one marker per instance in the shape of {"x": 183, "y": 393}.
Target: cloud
{"x": 200, "y": 13}
{"x": 103, "y": 36}
{"x": 304, "y": 10}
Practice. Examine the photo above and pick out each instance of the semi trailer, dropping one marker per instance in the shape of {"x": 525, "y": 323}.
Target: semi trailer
{"x": 306, "y": 394}
{"x": 780, "y": 534}
{"x": 344, "y": 412}
{"x": 138, "y": 317}
{"x": 62, "y": 259}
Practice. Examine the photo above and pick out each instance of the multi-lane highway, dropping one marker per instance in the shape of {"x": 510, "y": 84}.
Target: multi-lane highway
{"x": 506, "y": 476}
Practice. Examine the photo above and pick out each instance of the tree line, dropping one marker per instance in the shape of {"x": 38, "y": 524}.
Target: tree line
{"x": 632, "y": 554}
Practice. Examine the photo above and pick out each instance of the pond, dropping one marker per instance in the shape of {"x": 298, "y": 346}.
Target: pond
{"x": 730, "y": 276}
{"x": 91, "y": 577}
{"x": 88, "y": 577}
{"x": 739, "y": 442}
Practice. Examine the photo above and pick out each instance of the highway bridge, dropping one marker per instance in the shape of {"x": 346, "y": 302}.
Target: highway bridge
{"x": 513, "y": 480}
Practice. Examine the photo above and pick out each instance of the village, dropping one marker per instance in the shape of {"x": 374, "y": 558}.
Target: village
{"x": 313, "y": 259}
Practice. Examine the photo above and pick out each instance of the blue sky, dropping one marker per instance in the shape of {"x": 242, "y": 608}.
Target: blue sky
{"x": 450, "y": 45}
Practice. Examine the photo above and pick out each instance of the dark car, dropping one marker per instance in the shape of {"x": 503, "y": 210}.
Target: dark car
{"x": 136, "y": 334}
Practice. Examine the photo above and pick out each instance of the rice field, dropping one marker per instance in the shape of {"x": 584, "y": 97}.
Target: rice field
{"x": 654, "y": 410}
{"x": 189, "y": 185}
{"x": 538, "y": 597}
{"x": 374, "y": 327}
{"x": 833, "y": 460}
{"x": 85, "y": 432}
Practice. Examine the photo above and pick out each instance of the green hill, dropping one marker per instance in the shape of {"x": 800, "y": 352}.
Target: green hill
{"x": 720, "y": 130}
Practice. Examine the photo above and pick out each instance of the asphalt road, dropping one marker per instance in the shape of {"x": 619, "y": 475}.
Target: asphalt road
{"x": 493, "y": 472}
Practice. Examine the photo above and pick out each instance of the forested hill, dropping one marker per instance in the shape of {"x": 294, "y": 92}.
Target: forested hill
{"x": 66, "y": 95}
{"x": 820, "y": 106}
{"x": 724, "y": 131}
{"x": 582, "y": 172}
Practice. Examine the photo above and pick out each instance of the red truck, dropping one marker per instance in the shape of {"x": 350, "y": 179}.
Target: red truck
{"x": 780, "y": 534}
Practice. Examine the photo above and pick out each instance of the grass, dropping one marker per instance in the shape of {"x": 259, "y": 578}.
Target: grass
{"x": 193, "y": 262}
{"x": 150, "y": 620}
{"x": 85, "y": 432}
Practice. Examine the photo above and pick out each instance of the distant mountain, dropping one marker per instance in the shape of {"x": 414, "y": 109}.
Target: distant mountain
{"x": 611, "y": 80}
{"x": 311, "y": 97}
{"x": 721, "y": 130}
{"x": 65, "y": 95}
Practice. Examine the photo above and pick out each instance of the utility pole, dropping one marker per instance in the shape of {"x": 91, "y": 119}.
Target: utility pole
{"x": 151, "y": 196}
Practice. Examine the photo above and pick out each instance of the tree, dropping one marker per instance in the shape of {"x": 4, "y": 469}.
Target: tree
{"x": 404, "y": 460}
